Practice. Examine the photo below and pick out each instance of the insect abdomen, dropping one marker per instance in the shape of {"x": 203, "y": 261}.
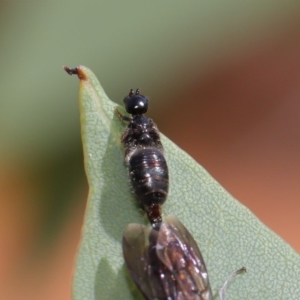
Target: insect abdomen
{"x": 149, "y": 176}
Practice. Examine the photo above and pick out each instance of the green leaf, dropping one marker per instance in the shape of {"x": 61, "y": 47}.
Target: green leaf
{"x": 228, "y": 234}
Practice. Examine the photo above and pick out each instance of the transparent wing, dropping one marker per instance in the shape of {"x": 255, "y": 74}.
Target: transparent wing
{"x": 166, "y": 264}
{"x": 142, "y": 262}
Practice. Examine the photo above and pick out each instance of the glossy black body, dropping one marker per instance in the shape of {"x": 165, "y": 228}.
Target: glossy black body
{"x": 166, "y": 263}
{"x": 148, "y": 170}
{"x": 164, "y": 260}
{"x": 149, "y": 176}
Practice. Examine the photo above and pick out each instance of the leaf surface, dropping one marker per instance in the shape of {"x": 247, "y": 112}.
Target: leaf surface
{"x": 228, "y": 234}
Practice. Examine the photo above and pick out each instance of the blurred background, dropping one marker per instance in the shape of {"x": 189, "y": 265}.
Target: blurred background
{"x": 223, "y": 81}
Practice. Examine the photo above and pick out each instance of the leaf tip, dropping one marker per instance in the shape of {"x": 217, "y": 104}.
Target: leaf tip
{"x": 76, "y": 71}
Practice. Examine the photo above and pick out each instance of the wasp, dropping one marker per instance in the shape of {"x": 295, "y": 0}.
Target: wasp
{"x": 163, "y": 260}
{"x": 166, "y": 263}
{"x": 144, "y": 157}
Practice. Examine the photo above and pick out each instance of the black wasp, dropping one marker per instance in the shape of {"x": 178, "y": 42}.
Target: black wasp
{"x": 163, "y": 260}
{"x": 148, "y": 170}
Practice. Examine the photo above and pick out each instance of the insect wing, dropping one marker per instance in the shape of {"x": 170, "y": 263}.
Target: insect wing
{"x": 166, "y": 264}
{"x": 178, "y": 251}
{"x": 142, "y": 262}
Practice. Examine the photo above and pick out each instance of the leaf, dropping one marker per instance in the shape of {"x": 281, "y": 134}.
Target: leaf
{"x": 228, "y": 234}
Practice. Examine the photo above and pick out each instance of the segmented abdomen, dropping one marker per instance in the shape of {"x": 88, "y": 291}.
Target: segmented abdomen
{"x": 149, "y": 176}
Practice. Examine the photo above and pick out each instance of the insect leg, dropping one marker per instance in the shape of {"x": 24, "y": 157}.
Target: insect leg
{"x": 122, "y": 117}
{"x": 222, "y": 290}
